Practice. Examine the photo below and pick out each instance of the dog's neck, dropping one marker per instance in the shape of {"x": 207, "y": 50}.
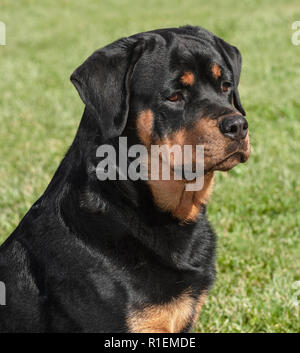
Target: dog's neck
{"x": 151, "y": 197}
{"x": 172, "y": 196}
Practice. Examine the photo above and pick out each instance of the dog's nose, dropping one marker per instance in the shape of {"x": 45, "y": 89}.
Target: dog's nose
{"x": 235, "y": 127}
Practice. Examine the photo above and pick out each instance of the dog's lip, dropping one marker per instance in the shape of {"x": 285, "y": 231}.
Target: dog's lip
{"x": 242, "y": 155}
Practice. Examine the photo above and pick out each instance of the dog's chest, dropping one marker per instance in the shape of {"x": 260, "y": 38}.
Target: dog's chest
{"x": 191, "y": 266}
{"x": 177, "y": 315}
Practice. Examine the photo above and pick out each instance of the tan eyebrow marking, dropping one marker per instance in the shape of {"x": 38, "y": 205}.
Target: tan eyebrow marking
{"x": 187, "y": 78}
{"x": 216, "y": 71}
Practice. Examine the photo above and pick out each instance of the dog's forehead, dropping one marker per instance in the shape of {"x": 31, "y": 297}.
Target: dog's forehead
{"x": 175, "y": 52}
{"x": 195, "y": 52}
{"x": 180, "y": 44}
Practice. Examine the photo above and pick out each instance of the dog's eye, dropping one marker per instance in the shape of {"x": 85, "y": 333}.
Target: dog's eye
{"x": 176, "y": 97}
{"x": 226, "y": 85}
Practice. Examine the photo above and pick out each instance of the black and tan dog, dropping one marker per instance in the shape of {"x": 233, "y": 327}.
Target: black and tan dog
{"x": 124, "y": 255}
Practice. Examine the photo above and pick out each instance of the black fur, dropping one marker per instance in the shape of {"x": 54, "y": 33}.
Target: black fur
{"x": 88, "y": 252}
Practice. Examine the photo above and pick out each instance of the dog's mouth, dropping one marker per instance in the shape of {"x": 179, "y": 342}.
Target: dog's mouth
{"x": 230, "y": 161}
{"x": 224, "y": 165}
{"x": 188, "y": 171}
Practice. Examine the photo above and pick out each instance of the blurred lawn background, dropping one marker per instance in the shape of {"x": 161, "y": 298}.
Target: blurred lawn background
{"x": 255, "y": 207}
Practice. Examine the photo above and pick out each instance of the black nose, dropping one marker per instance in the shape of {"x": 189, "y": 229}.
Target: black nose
{"x": 235, "y": 127}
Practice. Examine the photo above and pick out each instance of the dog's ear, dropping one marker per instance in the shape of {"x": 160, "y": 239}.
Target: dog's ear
{"x": 233, "y": 59}
{"x": 103, "y": 83}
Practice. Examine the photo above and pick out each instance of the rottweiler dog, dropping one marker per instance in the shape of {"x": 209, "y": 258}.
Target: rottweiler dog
{"x": 130, "y": 255}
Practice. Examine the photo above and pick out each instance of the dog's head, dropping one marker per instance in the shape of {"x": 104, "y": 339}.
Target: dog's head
{"x": 170, "y": 86}
{"x": 177, "y": 86}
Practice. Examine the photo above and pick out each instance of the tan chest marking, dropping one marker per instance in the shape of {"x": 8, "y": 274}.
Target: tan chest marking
{"x": 171, "y": 317}
{"x": 198, "y": 307}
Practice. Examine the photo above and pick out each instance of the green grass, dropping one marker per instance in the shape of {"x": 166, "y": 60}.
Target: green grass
{"x": 255, "y": 207}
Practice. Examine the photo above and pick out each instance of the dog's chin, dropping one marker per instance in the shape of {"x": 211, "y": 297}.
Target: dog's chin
{"x": 231, "y": 161}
